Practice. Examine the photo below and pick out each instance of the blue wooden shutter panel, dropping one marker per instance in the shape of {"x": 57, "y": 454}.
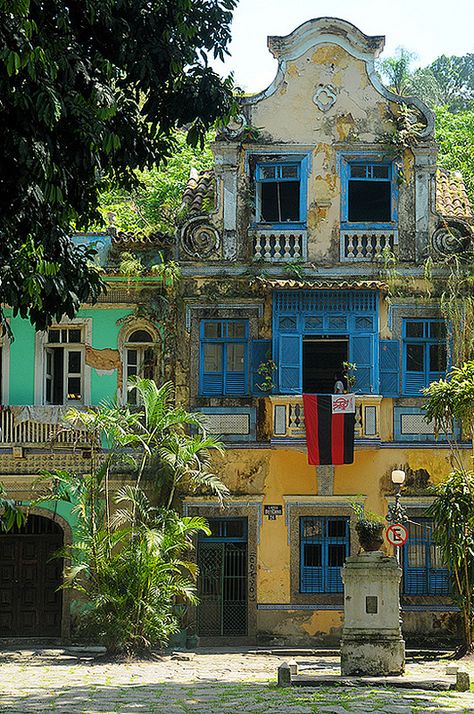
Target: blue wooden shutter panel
{"x": 290, "y": 365}
{"x": 361, "y": 353}
{"x": 389, "y": 368}
{"x": 260, "y": 351}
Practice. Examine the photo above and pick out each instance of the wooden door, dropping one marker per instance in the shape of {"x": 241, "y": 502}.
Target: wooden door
{"x": 30, "y": 602}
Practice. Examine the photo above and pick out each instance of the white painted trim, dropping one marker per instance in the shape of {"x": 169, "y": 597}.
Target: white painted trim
{"x": 131, "y": 324}
{"x": 41, "y": 341}
{"x": 334, "y": 31}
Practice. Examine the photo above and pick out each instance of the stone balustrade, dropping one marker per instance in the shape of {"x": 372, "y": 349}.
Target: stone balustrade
{"x": 288, "y": 417}
{"x": 367, "y": 245}
{"x": 280, "y": 245}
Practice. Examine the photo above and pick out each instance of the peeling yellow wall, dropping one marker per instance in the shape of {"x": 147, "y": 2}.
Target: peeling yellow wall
{"x": 361, "y": 118}
{"x": 279, "y": 473}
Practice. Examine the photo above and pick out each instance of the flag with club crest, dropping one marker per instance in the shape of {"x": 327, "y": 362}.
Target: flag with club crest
{"x": 329, "y": 420}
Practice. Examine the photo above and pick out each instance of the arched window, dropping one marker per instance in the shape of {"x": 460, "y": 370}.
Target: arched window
{"x": 140, "y": 359}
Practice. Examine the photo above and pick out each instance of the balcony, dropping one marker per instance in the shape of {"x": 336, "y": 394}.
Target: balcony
{"x": 279, "y": 246}
{"x": 288, "y": 418}
{"x": 41, "y": 426}
{"x": 366, "y": 244}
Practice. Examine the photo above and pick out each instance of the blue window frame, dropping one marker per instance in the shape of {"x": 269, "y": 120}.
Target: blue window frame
{"x": 324, "y": 546}
{"x": 369, "y": 194}
{"x": 424, "y": 353}
{"x": 352, "y": 315}
{"x": 226, "y": 530}
{"x": 223, "y": 357}
{"x": 281, "y": 193}
{"x": 423, "y": 569}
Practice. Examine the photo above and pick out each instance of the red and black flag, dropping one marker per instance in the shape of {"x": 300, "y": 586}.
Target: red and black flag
{"x": 329, "y": 420}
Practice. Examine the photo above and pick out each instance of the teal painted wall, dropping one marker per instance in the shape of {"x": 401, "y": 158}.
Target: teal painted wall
{"x": 105, "y": 331}
{"x": 22, "y": 362}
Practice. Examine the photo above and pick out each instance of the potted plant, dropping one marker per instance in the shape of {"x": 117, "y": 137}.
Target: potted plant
{"x": 265, "y": 370}
{"x": 369, "y": 528}
{"x": 349, "y": 369}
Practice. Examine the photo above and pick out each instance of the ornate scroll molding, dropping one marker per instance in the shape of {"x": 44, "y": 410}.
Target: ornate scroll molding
{"x": 199, "y": 239}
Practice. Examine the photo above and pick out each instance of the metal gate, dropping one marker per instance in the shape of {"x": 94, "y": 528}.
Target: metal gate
{"x": 222, "y": 584}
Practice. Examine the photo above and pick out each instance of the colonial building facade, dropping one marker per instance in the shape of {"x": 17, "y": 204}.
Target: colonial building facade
{"x": 322, "y": 185}
{"x": 76, "y": 363}
{"x": 325, "y": 193}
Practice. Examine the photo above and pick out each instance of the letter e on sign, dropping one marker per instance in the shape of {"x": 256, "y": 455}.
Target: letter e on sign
{"x": 397, "y": 534}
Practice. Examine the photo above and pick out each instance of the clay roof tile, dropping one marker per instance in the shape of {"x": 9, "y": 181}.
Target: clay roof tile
{"x": 451, "y": 197}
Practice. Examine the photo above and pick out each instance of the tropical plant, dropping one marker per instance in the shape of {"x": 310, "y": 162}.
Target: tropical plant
{"x": 451, "y": 402}
{"x": 349, "y": 369}
{"x": 455, "y": 138}
{"x": 155, "y": 204}
{"x": 128, "y": 558}
{"x": 369, "y": 527}
{"x": 265, "y": 370}
{"x": 452, "y": 512}
{"x": 10, "y": 513}
{"x": 396, "y": 70}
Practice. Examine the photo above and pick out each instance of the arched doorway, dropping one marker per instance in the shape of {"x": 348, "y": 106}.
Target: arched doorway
{"x": 30, "y": 602}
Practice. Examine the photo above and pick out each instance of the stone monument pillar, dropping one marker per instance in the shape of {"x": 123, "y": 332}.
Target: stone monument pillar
{"x": 372, "y": 642}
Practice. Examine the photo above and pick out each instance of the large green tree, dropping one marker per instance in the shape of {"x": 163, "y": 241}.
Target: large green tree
{"x": 91, "y": 91}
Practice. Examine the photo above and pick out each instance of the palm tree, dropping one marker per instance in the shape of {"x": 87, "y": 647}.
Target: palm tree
{"x": 128, "y": 554}
{"x": 397, "y": 70}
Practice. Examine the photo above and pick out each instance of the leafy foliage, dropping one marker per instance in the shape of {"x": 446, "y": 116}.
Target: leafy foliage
{"x": 447, "y": 82}
{"x": 455, "y": 137}
{"x": 453, "y": 516}
{"x": 129, "y": 557}
{"x": 396, "y": 70}
{"x": 155, "y": 203}
{"x": 10, "y": 514}
{"x": 92, "y": 91}
{"x": 452, "y": 400}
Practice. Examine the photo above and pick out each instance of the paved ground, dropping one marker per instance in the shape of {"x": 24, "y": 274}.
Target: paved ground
{"x": 232, "y": 683}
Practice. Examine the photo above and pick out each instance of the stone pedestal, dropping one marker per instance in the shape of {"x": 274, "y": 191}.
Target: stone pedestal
{"x": 372, "y": 641}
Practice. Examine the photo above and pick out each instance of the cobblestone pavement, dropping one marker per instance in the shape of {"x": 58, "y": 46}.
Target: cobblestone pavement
{"x": 37, "y": 682}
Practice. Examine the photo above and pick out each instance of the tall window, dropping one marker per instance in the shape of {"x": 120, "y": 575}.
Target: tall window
{"x": 424, "y": 353}
{"x": 368, "y": 193}
{"x": 64, "y": 365}
{"x": 324, "y": 546}
{"x": 279, "y": 193}
{"x": 139, "y": 360}
{"x": 423, "y": 569}
{"x": 224, "y": 357}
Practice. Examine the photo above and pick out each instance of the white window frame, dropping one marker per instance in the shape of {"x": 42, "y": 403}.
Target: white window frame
{"x": 141, "y": 347}
{"x": 41, "y": 348}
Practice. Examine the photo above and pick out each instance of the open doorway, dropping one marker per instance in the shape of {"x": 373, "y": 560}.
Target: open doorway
{"x": 323, "y": 359}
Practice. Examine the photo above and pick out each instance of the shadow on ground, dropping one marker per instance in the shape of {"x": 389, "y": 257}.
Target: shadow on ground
{"x": 39, "y": 694}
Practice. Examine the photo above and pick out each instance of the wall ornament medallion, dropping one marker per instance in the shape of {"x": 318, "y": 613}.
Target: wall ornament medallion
{"x": 324, "y": 97}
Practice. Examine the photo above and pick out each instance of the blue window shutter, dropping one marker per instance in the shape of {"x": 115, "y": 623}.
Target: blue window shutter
{"x": 414, "y": 382}
{"x": 235, "y": 383}
{"x": 290, "y": 364}
{"x": 260, "y": 351}
{"x": 361, "y": 353}
{"x": 415, "y": 581}
{"x": 389, "y": 355}
{"x": 212, "y": 383}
